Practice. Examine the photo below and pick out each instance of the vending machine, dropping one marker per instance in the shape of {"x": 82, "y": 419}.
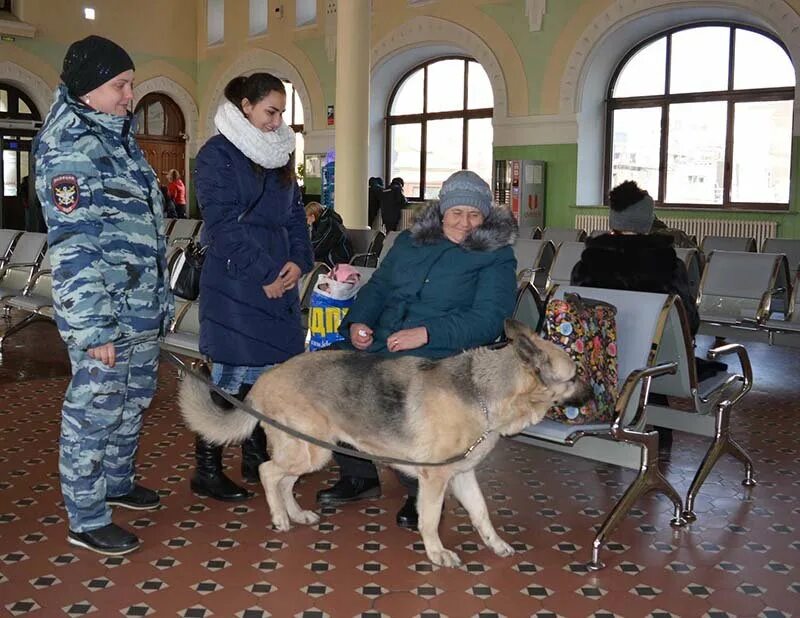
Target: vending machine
{"x": 519, "y": 184}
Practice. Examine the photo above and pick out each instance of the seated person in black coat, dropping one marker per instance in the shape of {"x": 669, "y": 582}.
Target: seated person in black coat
{"x": 632, "y": 258}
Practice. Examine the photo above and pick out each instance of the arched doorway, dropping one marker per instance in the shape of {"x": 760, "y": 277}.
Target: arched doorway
{"x": 19, "y": 121}
{"x": 161, "y": 133}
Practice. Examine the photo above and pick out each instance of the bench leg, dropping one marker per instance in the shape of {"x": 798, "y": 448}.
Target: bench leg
{"x": 649, "y": 478}
{"x": 723, "y": 443}
{"x": 27, "y": 320}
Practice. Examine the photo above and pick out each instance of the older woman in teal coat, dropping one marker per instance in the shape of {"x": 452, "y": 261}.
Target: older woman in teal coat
{"x": 446, "y": 286}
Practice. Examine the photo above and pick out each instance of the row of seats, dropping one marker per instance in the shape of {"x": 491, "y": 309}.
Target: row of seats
{"x": 739, "y": 293}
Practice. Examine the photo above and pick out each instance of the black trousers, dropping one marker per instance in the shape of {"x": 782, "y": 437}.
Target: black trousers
{"x": 361, "y": 468}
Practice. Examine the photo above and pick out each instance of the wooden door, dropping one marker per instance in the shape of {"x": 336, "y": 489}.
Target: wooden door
{"x": 163, "y": 155}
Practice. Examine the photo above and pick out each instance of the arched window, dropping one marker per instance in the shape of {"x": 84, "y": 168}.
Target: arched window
{"x": 157, "y": 115}
{"x": 293, "y": 116}
{"x": 439, "y": 120}
{"x": 702, "y": 116}
{"x": 15, "y": 148}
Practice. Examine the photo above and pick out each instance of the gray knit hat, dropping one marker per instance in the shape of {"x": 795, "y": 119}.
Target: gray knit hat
{"x": 638, "y": 217}
{"x": 465, "y": 188}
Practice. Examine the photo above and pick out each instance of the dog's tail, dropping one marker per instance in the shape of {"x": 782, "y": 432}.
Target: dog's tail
{"x": 204, "y": 417}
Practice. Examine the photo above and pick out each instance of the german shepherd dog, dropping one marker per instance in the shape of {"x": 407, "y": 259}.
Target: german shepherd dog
{"x": 408, "y": 408}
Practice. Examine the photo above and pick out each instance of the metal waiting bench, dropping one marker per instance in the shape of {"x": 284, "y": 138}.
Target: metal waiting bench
{"x": 35, "y": 300}
{"x": 738, "y": 292}
{"x": 654, "y": 355}
{"x": 567, "y": 255}
{"x": 563, "y": 234}
{"x": 534, "y": 259}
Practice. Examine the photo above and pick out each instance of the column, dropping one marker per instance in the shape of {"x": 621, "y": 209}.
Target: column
{"x": 351, "y": 110}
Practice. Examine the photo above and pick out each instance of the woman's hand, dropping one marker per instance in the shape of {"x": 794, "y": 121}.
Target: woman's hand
{"x": 360, "y": 336}
{"x": 274, "y": 289}
{"x": 105, "y": 353}
{"x": 407, "y": 339}
{"x": 289, "y": 275}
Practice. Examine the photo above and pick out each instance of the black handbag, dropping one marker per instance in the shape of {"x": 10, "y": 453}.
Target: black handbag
{"x": 185, "y": 276}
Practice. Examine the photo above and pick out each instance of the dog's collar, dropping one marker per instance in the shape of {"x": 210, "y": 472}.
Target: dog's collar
{"x": 485, "y": 434}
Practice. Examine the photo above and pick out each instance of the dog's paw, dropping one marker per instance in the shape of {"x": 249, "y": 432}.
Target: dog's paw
{"x": 501, "y": 548}
{"x": 444, "y": 557}
{"x": 306, "y": 517}
{"x": 281, "y": 524}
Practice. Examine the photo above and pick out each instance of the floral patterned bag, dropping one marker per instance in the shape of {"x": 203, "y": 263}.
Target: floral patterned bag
{"x": 587, "y": 330}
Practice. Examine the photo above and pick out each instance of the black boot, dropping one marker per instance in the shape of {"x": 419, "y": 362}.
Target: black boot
{"x": 408, "y": 517}
{"x": 209, "y": 480}
{"x": 254, "y": 453}
{"x": 349, "y": 489}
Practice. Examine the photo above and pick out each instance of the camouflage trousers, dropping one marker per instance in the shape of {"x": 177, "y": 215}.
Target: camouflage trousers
{"x": 100, "y": 422}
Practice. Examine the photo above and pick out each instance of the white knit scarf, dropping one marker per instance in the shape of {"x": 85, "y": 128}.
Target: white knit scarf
{"x": 268, "y": 149}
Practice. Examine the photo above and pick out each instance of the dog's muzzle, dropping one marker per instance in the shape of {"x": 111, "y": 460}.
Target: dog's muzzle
{"x": 580, "y": 395}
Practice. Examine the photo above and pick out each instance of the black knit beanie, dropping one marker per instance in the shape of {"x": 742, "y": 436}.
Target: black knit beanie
{"x": 91, "y": 62}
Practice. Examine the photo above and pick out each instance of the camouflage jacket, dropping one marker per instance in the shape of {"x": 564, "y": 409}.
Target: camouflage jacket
{"x": 105, "y": 227}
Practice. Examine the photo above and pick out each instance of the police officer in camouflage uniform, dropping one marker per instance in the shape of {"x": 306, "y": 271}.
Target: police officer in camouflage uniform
{"x": 106, "y": 236}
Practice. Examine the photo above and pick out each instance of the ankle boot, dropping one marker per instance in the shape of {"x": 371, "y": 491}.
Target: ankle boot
{"x": 254, "y": 453}
{"x": 209, "y": 480}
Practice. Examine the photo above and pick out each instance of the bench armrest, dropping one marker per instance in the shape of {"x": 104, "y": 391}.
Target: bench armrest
{"x": 746, "y": 377}
{"x": 626, "y": 392}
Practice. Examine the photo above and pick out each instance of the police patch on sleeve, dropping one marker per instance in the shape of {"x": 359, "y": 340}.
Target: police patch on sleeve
{"x": 65, "y": 192}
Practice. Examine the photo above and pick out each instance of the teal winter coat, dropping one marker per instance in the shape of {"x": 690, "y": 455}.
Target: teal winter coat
{"x": 460, "y": 292}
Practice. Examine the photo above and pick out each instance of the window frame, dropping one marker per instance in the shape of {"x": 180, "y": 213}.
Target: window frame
{"x": 464, "y": 114}
{"x": 729, "y": 96}
{"x": 173, "y": 117}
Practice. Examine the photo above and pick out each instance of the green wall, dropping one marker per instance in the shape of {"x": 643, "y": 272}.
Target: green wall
{"x": 562, "y": 179}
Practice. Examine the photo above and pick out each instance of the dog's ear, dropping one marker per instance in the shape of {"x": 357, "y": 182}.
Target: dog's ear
{"x": 525, "y": 343}
{"x": 516, "y": 329}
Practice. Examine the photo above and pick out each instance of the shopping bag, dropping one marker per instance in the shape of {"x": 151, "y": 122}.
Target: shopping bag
{"x": 331, "y": 299}
{"x": 587, "y": 330}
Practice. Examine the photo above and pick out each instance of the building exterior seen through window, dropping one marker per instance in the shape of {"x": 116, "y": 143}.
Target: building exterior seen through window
{"x": 439, "y": 120}
{"x": 702, "y": 116}
{"x": 293, "y": 116}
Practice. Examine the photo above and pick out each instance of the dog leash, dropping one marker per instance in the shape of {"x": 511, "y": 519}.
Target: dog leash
{"x": 175, "y": 360}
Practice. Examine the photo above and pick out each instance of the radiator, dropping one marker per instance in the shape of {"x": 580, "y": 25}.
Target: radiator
{"x": 700, "y": 228}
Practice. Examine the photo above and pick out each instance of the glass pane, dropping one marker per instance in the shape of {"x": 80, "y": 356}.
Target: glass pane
{"x": 760, "y": 62}
{"x": 700, "y": 59}
{"x": 635, "y": 147}
{"x": 479, "y": 88}
{"x": 258, "y": 17}
{"x": 305, "y": 12}
{"x": 9, "y": 173}
{"x": 479, "y": 147}
{"x": 140, "y": 120}
{"x": 24, "y": 169}
{"x": 155, "y": 119}
{"x": 298, "y": 109}
{"x": 23, "y": 107}
{"x": 404, "y": 156}
{"x": 287, "y": 114}
{"x": 443, "y": 153}
{"x": 3, "y": 100}
{"x": 696, "y": 152}
{"x": 408, "y": 99}
{"x": 762, "y": 147}
{"x": 299, "y": 149}
{"x": 645, "y": 71}
{"x": 446, "y": 86}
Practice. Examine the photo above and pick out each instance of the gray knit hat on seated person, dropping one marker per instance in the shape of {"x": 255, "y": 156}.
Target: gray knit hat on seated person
{"x": 638, "y": 217}
{"x": 465, "y": 188}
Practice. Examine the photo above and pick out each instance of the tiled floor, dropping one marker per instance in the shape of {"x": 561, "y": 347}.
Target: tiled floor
{"x": 202, "y": 558}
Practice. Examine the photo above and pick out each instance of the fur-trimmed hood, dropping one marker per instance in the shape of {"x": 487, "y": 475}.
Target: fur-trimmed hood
{"x": 499, "y": 230}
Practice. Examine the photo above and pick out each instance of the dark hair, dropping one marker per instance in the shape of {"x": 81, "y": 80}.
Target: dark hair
{"x": 254, "y": 88}
{"x": 397, "y": 181}
{"x": 625, "y": 194}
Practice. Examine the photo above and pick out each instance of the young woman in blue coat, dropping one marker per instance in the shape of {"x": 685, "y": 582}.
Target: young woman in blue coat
{"x": 258, "y": 247}
{"x": 446, "y": 285}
